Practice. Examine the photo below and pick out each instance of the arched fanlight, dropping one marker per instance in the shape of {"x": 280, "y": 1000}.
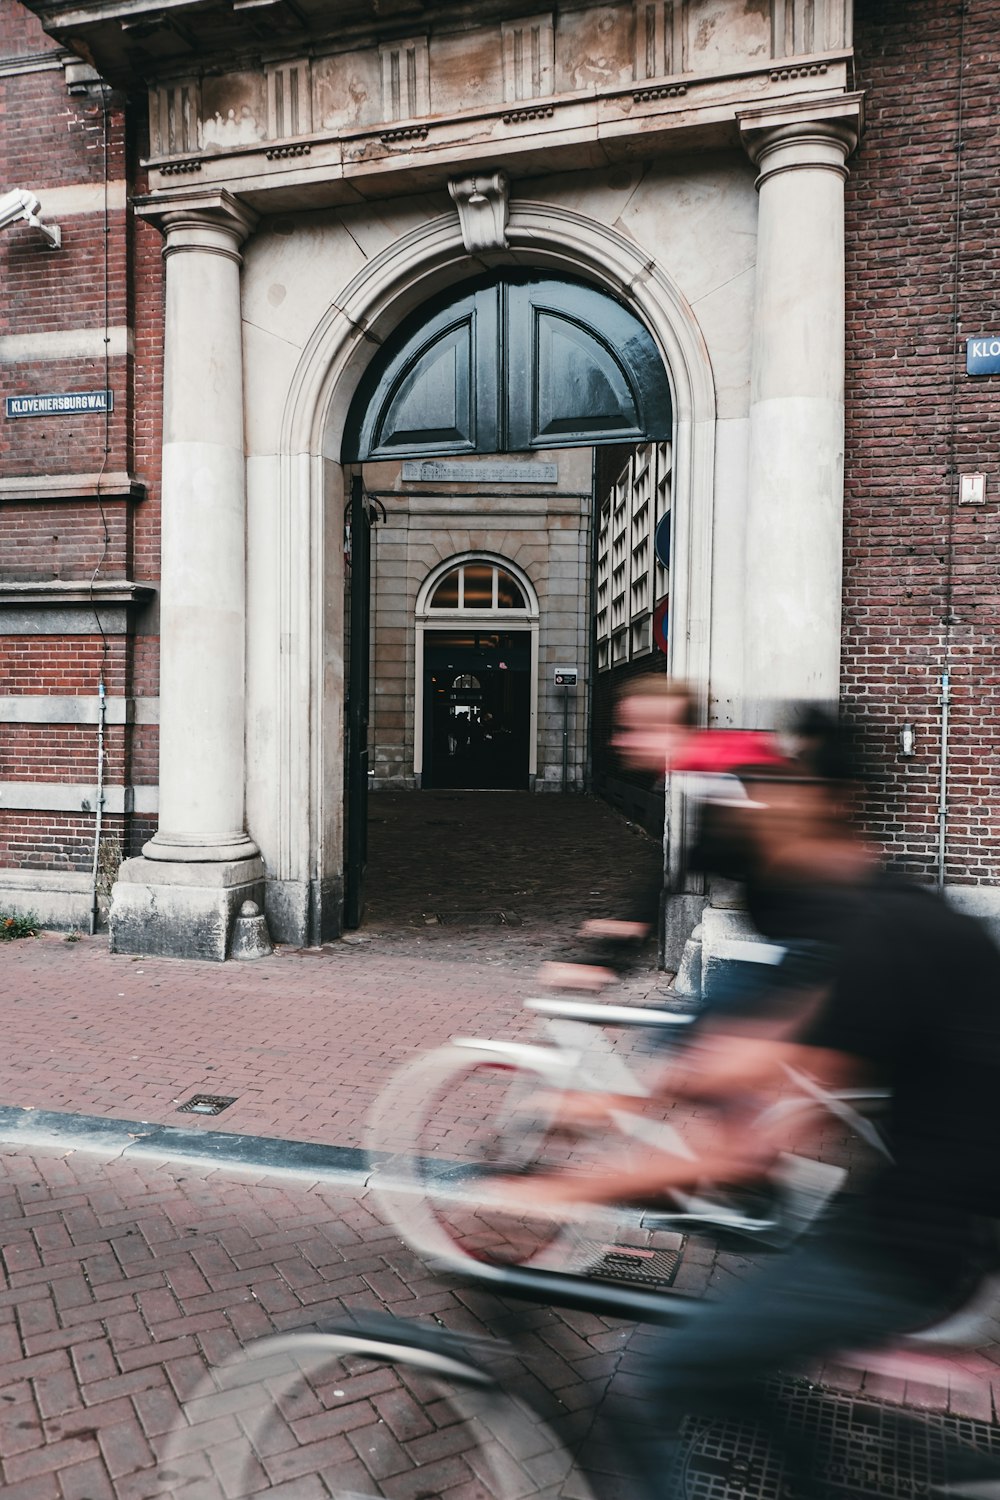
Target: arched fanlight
{"x": 478, "y": 585}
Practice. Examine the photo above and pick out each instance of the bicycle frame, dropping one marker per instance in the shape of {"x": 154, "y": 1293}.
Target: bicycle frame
{"x": 577, "y": 1058}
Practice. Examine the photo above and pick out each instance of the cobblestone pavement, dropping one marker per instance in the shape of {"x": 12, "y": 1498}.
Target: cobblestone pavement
{"x": 124, "y": 1284}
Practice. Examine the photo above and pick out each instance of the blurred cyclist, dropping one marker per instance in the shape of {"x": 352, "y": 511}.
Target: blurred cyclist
{"x": 909, "y": 998}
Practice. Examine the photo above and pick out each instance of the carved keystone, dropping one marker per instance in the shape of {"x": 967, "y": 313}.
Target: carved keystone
{"x": 482, "y": 210}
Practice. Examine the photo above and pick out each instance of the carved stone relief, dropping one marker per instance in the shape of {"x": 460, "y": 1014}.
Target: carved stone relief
{"x": 289, "y": 99}
{"x": 405, "y": 76}
{"x": 594, "y": 50}
{"x": 528, "y": 58}
{"x": 646, "y": 47}
{"x": 347, "y": 90}
{"x": 234, "y": 111}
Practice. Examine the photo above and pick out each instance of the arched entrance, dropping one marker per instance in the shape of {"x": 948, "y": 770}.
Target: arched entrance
{"x": 476, "y": 675}
{"x": 297, "y": 499}
{"x": 512, "y": 363}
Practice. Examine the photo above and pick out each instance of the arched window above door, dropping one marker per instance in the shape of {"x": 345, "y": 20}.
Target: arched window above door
{"x": 478, "y": 586}
{"x": 509, "y": 364}
{"x": 476, "y": 583}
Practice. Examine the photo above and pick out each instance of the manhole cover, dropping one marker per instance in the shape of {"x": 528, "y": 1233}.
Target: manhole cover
{"x": 631, "y": 1264}
{"x": 206, "y": 1104}
{"x": 478, "y": 918}
{"x": 864, "y": 1451}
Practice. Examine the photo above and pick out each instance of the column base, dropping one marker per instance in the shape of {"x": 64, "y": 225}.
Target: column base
{"x": 681, "y": 913}
{"x": 729, "y": 942}
{"x": 181, "y": 910}
{"x": 305, "y": 913}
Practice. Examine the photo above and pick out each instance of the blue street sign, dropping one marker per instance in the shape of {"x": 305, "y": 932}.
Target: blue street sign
{"x": 60, "y": 404}
{"x": 982, "y": 356}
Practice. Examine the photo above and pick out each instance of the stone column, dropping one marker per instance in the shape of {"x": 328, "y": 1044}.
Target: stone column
{"x": 796, "y": 466}
{"x": 182, "y": 895}
{"x": 795, "y": 485}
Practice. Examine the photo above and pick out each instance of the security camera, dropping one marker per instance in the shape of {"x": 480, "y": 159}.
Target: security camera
{"x": 20, "y": 204}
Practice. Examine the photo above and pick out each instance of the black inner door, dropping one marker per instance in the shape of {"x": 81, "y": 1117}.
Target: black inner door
{"x": 359, "y": 647}
{"x": 477, "y": 708}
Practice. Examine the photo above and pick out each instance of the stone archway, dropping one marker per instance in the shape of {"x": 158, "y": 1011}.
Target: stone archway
{"x": 296, "y": 504}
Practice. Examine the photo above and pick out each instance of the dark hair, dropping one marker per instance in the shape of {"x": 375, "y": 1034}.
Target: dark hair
{"x": 828, "y": 745}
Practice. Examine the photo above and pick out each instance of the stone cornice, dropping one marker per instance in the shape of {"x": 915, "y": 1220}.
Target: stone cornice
{"x": 575, "y": 131}
{"x": 33, "y": 62}
{"x": 55, "y": 487}
{"x": 46, "y": 593}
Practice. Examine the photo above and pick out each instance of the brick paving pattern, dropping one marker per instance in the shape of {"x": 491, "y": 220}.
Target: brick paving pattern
{"x": 125, "y": 1282}
{"x": 304, "y": 1040}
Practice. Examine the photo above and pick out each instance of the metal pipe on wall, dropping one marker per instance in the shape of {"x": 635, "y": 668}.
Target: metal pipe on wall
{"x": 99, "y": 812}
{"x": 943, "y": 781}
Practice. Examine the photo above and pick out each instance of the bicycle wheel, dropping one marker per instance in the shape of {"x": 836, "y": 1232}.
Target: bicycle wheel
{"x": 356, "y": 1416}
{"x": 451, "y": 1123}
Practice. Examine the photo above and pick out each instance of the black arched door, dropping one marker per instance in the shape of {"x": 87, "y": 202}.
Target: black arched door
{"x": 507, "y": 365}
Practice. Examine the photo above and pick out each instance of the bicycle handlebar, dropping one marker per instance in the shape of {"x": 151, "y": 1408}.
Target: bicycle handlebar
{"x": 607, "y": 1015}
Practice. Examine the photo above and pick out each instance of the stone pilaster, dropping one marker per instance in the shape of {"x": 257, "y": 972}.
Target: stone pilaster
{"x": 182, "y": 895}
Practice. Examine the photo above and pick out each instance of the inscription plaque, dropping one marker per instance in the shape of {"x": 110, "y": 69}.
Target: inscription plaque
{"x": 444, "y": 471}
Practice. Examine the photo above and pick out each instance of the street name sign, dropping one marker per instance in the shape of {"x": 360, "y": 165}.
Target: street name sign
{"x": 60, "y": 404}
{"x": 982, "y": 355}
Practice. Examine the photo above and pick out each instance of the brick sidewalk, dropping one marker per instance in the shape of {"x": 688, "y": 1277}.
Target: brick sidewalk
{"x": 305, "y": 1039}
{"x": 148, "y": 1270}
{"x": 121, "y": 1287}
{"x": 122, "y": 1284}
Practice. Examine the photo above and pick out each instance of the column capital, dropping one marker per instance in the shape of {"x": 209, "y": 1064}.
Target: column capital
{"x": 212, "y": 220}
{"x": 809, "y": 134}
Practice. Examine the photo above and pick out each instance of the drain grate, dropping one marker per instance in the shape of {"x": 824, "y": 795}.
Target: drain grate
{"x": 478, "y": 918}
{"x": 864, "y": 1451}
{"x": 628, "y": 1263}
{"x": 206, "y": 1104}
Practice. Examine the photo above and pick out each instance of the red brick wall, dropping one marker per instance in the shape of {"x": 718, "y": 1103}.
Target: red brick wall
{"x": 49, "y": 139}
{"x": 60, "y": 841}
{"x": 915, "y": 420}
{"x": 65, "y": 540}
{"x": 61, "y": 665}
